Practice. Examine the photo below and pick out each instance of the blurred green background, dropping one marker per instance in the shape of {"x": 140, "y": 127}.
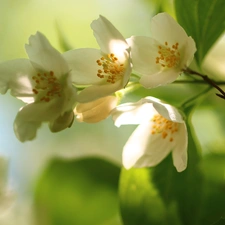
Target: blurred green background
{"x": 55, "y": 171}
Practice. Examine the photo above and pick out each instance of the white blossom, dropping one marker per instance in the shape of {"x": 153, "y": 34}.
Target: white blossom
{"x": 161, "y": 130}
{"x": 161, "y": 58}
{"x": 105, "y": 70}
{"x": 43, "y": 82}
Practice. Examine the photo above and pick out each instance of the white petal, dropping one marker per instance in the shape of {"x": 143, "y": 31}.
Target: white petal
{"x": 119, "y": 49}
{"x": 128, "y": 70}
{"x": 187, "y": 51}
{"x": 98, "y": 91}
{"x": 40, "y": 111}
{"x": 83, "y": 66}
{"x": 105, "y": 33}
{"x": 68, "y": 98}
{"x": 17, "y": 76}
{"x": 30, "y": 117}
{"x": 151, "y": 99}
{"x": 179, "y": 153}
{"x": 144, "y": 51}
{"x": 132, "y": 113}
{"x": 161, "y": 78}
{"x": 62, "y": 122}
{"x": 95, "y": 111}
{"x": 165, "y": 28}
{"x": 44, "y": 57}
{"x": 167, "y": 111}
{"x": 144, "y": 149}
{"x": 24, "y": 130}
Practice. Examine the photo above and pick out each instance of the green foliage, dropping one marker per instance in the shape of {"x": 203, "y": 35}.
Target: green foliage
{"x": 158, "y": 6}
{"x": 81, "y": 192}
{"x": 161, "y": 195}
{"x": 183, "y": 188}
{"x": 213, "y": 206}
{"x": 220, "y": 222}
{"x": 204, "y": 20}
{"x": 139, "y": 198}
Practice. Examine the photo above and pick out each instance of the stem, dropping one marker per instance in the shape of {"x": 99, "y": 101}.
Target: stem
{"x": 186, "y": 103}
{"x": 207, "y": 80}
{"x": 131, "y": 86}
{"x": 135, "y": 75}
{"x": 196, "y": 82}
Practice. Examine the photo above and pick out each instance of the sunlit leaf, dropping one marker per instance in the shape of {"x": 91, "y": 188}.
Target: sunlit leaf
{"x": 82, "y": 192}
{"x": 158, "y": 6}
{"x": 203, "y": 20}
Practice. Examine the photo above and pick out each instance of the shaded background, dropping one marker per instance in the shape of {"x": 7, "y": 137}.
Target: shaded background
{"x": 66, "y": 189}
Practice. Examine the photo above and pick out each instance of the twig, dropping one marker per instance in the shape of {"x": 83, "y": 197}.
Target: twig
{"x": 208, "y": 80}
{"x": 196, "y": 82}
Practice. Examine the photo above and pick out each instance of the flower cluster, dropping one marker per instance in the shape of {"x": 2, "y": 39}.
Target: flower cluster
{"x": 84, "y": 83}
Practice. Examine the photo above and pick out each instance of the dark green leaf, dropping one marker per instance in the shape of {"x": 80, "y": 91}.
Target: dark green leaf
{"x": 219, "y": 222}
{"x": 81, "y": 192}
{"x": 204, "y": 20}
{"x": 214, "y": 193}
{"x": 140, "y": 201}
{"x": 184, "y": 188}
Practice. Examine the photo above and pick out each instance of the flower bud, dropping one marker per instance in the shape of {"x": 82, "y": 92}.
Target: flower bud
{"x": 95, "y": 111}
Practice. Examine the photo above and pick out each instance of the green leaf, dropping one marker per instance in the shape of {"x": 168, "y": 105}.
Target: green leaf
{"x": 213, "y": 166}
{"x": 140, "y": 202}
{"x": 161, "y": 195}
{"x": 158, "y": 6}
{"x": 220, "y": 222}
{"x": 184, "y": 188}
{"x": 82, "y": 192}
{"x": 204, "y": 20}
{"x": 63, "y": 41}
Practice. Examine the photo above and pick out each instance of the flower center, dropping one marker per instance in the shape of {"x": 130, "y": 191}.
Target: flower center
{"x": 168, "y": 56}
{"x": 111, "y": 68}
{"x": 164, "y": 127}
{"x": 47, "y": 86}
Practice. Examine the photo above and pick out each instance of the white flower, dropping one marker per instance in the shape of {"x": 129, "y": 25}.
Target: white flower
{"x": 106, "y": 70}
{"x": 161, "y": 130}
{"x": 95, "y": 111}
{"x": 160, "y": 59}
{"x": 43, "y": 81}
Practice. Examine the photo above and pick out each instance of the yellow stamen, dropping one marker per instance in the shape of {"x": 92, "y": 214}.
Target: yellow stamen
{"x": 164, "y": 127}
{"x": 168, "y": 57}
{"x": 112, "y": 68}
{"x": 47, "y": 86}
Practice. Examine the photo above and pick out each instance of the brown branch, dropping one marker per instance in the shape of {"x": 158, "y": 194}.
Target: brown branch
{"x": 207, "y": 80}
